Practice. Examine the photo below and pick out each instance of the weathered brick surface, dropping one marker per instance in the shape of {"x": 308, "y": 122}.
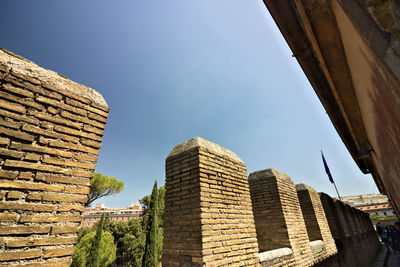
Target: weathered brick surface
{"x": 334, "y": 223}
{"x": 52, "y": 262}
{"x": 9, "y": 255}
{"x": 316, "y": 221}
{"x": 50, "y": 134}
{"x": 208, "y": 216}
{"x": 57, "y": 252}
{"x": 24, "y": 229}
{"x": 63, "y": 229}
{"x": 41, "y": 241}
{"x": 278, "y": 217}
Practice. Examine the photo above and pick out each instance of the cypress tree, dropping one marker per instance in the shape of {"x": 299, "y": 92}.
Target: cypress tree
{"x": 150, "y": 256}
{"x": 94, "y": 252}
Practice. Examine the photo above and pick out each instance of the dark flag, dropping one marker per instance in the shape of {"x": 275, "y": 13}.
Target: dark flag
{"x": 327, "y": 169}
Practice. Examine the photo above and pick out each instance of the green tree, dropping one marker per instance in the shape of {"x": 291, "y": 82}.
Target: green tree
{"x": 150, "y": 256}
{"x": 145, "y": 202}
{"x": 374, "y": 217}
{"x": 107, "y": 250}
{"x": 82, "y": 232}
{"x": 160, "y": 240}
{"x": 161, "y": 205}
{"x": 94, "y": 252}
{"x": 130, "y": 238}
{"x": 102, "y": 185}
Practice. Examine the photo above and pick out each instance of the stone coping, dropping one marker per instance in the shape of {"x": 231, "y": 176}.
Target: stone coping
{"x": 317, "y": 246}
{"x": 271, "y": 172}
{"x": 274, "y": 254}
{"x": 20, "y": 65}
{"x": 203, "y": 143}
{"x": 304, "y": 187}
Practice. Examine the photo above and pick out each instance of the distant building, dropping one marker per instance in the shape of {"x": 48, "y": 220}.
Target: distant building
{"x": 90, "y": 216}
{"x": 372, "y": 203}
{"x": 365, "y": 199}
{"x": 384, "y": 209}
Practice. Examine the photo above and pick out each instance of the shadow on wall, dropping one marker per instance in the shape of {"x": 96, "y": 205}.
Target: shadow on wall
{"x": 215, "y": 215}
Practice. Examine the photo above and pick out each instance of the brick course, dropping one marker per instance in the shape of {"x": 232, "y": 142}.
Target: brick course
{"x": 50, "y": 134}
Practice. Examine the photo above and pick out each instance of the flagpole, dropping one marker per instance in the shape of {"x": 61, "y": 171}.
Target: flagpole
{"x": 337, "y": 191}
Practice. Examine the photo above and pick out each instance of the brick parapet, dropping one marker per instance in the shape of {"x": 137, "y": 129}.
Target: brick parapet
{"x": 316, "y": 221}
{"x": 275, "y": 200}
{"x": 218, "y": 206}
{"x": 357, "y": 237}
{"x": 50, "y": 134}
{"x": 359, "y": 222}
{"x": 340, "y": 209}
{"x": 350, "y": 245}
{"x": 215, "y": 217}
{"x": 336, "y": 225}
{"x": 332, "y": 216}
{"x": 349, "y": 212}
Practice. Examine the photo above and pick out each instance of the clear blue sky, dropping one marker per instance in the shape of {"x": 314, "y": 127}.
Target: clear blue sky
{"x": 173, "y": 70}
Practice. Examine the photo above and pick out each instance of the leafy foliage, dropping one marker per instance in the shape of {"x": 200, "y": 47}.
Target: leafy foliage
{"x": 129, "y": 237}
{"x": 130, "y": 242}
{"x": 94, "y": 252}
{"x": 145, "y": 202}
{"x": 102, "y": 185}
{"x": 376, "y": 217}
{"x": 150, "y": 257}
{"x": 107, "y": 250}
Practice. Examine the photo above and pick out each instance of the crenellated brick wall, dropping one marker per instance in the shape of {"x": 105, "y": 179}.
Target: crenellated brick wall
{"x": 50, "y": 133}
{"x": 208, "y": 219}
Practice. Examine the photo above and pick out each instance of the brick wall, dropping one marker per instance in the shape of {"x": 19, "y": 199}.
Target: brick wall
{"x": 50, "y": 134}
{"x": 331, "y": 214}
{"x": 355, "y": 248}
{"x": 278, "y": 217}
{"x": 208, "y": 215}
{"x": 316, "y": 221}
